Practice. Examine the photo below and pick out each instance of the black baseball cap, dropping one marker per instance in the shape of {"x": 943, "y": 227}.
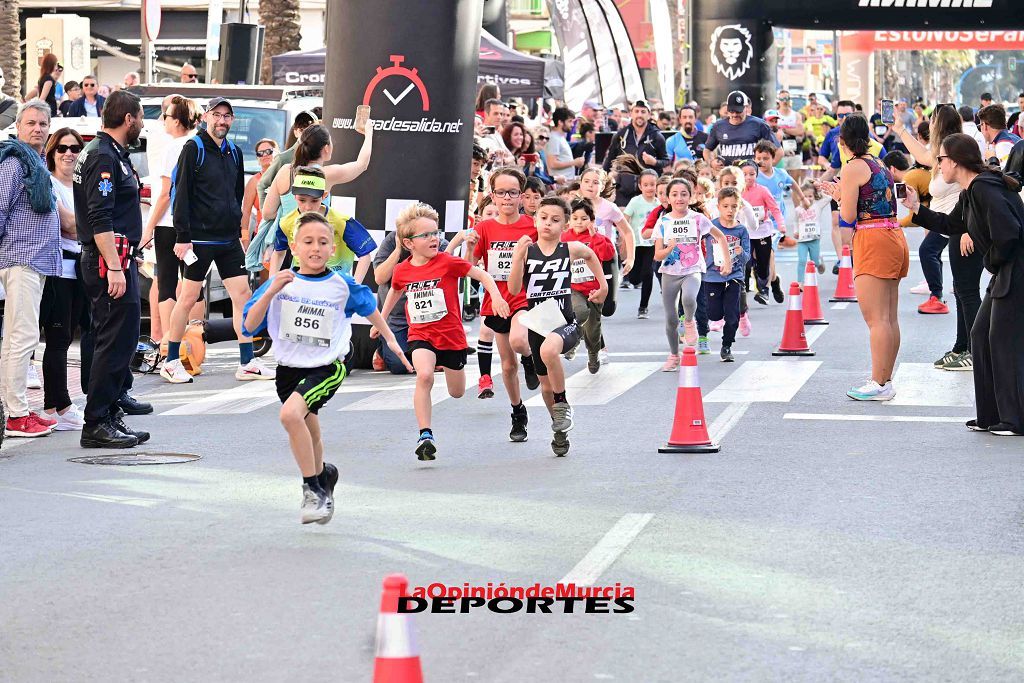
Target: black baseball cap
{"x": 217, "y": 101}
{"x": 736, "y": 102}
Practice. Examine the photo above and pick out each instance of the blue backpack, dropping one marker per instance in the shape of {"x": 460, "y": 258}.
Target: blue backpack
{"x": 200, "y": 158}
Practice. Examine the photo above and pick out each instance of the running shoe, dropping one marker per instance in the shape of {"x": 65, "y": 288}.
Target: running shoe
{"x": 625, "y": 284}
{"x": 532, "y": 381}
{"x": 425, "y": 447}
{"x": 761, "y": 298}
{"x": 975, "y": 427}
{"x": 671, "y": 363}
{"x": 962, "y": 363}
{"x": 921, "y": 288}
{"x": 933, "y": 307}
{"x": 328, "y": 480}
{"x": 570, "y": 354}
{"x": 702, "y": 346}
{"x": 560, "y": 444}
{"x": 777, "y": 291}
{"x": 727, "y": 354}
{"x": 745, "y": 325}
{"x": 315, "y": 506}
{"x": 43, "y": 419}
{"x": 561, "y": 417}
{"x": 835, "y": 268}
{"x": 485, "y": 387}
{"x": 1005, "y": 429}
{"x": 174, "y": 372}
{"x": 519, "y": 421}
{"x": 946, "y": 357}
{"x": 871, "y": 391}
{"x": 642, "y": 314}
{"x": 25, "y": 427}
{"x": 690, "y": 332}
{"x": 32, "y": 378}
{"x": 716, "y": 325}
{"x": 253, "y": 370}
{"x": 71, "y": 420}
{"x": 603, "y": 356}
{"x": 593, "y": 363}
{"x": 821, "y": 269}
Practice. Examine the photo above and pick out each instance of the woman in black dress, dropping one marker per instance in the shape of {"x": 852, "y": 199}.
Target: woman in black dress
{"x": 989, "y": 218}
{"x": 49, "y": 71}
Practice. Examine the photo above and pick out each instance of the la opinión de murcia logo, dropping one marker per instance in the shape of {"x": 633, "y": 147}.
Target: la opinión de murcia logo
{"x": 562, "y": 598}
{"x": 394, "y": 123}
{"x": 731, "y": 50}
{"x": 927, "y": 4}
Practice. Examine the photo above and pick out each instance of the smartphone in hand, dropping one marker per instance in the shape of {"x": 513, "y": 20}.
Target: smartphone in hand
{"x": 901, "y": 190}
{"x": 888, "y": 112}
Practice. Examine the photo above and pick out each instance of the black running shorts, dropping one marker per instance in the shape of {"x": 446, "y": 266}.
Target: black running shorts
{"x": 316, "y": 386}
{"x": 230, "y": 260}
{"x": 453, "y": 360}
{"x": 570, "y": 334}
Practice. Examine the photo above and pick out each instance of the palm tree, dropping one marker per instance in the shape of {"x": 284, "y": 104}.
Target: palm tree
{"x": 10, "y": 51}
{"x": 281, "y": 19}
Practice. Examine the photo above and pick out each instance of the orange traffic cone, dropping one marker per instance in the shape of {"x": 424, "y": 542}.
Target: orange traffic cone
{"x": 812, "y": 304}
{"x": 844, "y": 285}
{"x": 398, "y": 658}
{"x": 794, "y": 342}
{"x": 689, "y": 430}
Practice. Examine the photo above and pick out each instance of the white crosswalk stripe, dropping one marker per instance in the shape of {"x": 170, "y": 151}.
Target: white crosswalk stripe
{"x": 242, "y": 399}
{"x": 920, "y": 384}
{"x": 613, "y": 380}
{"x": 399, "y": 396}
{"x": 775, "y": 381}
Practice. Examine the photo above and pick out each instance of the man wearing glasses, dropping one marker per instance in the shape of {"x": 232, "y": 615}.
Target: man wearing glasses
{"x": 90, "y": 103}
{"x": 188, "y": 74}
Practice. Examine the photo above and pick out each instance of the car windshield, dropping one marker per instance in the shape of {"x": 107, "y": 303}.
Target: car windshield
{"x": 251, "y": 125}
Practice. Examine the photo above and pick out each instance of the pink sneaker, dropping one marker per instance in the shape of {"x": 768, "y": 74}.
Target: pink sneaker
{"x": 716, "y": 325}
{"x": 690, "y": 332}
{"x": 671, "y": 364}
{"x": 745, "y": 325}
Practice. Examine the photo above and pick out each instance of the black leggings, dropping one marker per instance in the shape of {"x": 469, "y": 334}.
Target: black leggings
{"x": 967, "y": 291}
{"x": 760, "y": 262}
{"x": 642, "y": 275}
{"x": 64, "y": 307}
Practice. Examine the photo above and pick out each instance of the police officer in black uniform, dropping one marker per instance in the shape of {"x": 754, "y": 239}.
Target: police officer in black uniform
{"x": 109, "y": 217}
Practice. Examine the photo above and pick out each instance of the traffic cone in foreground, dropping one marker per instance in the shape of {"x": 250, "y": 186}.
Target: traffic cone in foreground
{"x": 812, "y": 304}
{"x": 689, "y": 430}
{"x": 844, "y": 285}
{"x": 398, "y": 657}
{"x": 794, "y": 342}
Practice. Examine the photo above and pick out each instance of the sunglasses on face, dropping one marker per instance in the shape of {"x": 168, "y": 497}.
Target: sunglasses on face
{"x": 191, "y": 77}
{"x": 88, "y": 85}
{"x": 64, "y": 149}
{"x": 543, "y": 137}
{"x": 265, "y": 152}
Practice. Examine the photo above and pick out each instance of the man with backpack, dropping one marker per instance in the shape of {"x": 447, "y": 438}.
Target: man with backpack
{"x": 206, "y": 199}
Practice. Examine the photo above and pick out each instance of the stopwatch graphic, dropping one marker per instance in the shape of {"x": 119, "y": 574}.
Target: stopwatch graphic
{"x": 396, "y": 69}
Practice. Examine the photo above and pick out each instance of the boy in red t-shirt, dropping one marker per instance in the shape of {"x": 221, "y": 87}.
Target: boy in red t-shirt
{"x": 588, "y": 313}
{"x": 430, "y": 280}
{"x": 495, "y": 242}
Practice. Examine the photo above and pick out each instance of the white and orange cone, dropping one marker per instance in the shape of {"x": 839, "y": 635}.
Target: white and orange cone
{"x": 794, "y": 341}
{"x": 398, "y": 657}
{"x": 844, "y": 285}
{"x": 812, "y": 303}
{"x": 689, "y": 428}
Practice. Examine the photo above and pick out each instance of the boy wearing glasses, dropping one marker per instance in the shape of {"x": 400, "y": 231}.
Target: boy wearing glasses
{"x": 429, "y": 278}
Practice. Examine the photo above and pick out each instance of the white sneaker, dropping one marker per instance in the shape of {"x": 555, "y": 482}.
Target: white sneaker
{"x": 71, "y": 421}
{"x": 174, "y": 372}
{"x": 32, "y": 378}
{"x": 603, "y": 357}
{"x": 921, "y": 288}
{"x": 315, "y": 506}
{"x": 254, "y": 369}
{"x": 873, "y": 392}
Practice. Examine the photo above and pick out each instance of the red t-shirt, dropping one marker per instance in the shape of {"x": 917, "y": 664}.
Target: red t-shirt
{"x": 433, "y": 305}
{"x": 497, "y": 241}
{"x": 582, "y": 279}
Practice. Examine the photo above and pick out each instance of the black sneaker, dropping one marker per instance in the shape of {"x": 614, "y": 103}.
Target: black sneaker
{"x": 106, "y": 435}
{"x": 975, "y": 427}
{"x": 642, "y": 314}
{"x": 777, "y": 291}
{"x": 835, "y": 268}
{"x": 329, "y": 479}
{"x": 118, "y": 421}
{"x": 133, "y": 406}
{"x": 727, "y": 354}
{"x": 1005, "y": 429}
{"x": 761, "y": 298}
{"x": 519, "y": 422}
{"x": 532, "y": 381}
{"x": 425, "y": 447}
{"x": 560, "y": 444}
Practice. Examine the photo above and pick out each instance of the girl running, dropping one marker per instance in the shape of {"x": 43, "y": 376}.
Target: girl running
{"x": 636, "y": 211}
{"x": 545, "y": 270}
{"x": 765, "y": 207}
{"x": 430, "y": 278}
{"x": 677, "y": 238}
{"x": 811, "y": 222}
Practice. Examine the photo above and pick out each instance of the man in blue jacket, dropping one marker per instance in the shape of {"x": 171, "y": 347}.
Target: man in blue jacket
{"x": 90, "y": 103}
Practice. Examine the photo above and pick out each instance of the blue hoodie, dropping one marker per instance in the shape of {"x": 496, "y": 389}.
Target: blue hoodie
{"x": 739, "y": 245}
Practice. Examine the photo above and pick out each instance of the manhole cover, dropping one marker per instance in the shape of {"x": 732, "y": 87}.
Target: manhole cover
{"x": 136, "y": 459}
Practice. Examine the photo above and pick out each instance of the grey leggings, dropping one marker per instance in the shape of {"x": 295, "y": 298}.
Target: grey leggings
{"x": 671, "y": 287}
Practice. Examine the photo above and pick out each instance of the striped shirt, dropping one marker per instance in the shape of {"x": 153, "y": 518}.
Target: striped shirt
{"x": 27, "y": 238}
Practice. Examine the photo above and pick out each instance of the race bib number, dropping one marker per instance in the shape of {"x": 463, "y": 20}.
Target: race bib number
{"x": 581, "y": 272}
{"x": 426, "y": 306}
{"x": 303, "y": 323}
{"x": 682, "y": 230}
{"x": 499, "y": 263}
{"x": 808, "y": 230}
{"x": 759, "y": 213}
{"x": 789, "y": 146}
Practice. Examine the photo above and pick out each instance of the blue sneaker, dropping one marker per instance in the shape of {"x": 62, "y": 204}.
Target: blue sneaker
{"x": 425, "y": 447}
{"x": 702, "y": 346}
{"x": 871, "y": 391}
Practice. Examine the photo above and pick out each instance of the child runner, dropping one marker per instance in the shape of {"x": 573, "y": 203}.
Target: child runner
{"x": 725, "y": 289}
{"x": 761, "y": 239}
{"x": 436, "y": 337}
{"x": 307, "y": 313}
{"x": 731, "y": 176}
{"x": 636, "y": 211}
{"x": 544, "y": 270}
{"x": 532, "y": 195}
{"x": 811, "y": 223}
{"x": 779, "y": 183}
{"x": 677, "y": 238}
{"x": 485, "y": 340}
{"x": 496, "y": 242}
{"x": 588, "y": 311}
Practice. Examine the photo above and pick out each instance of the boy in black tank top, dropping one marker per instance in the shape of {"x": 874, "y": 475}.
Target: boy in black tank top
{"x": 549, "y": 328}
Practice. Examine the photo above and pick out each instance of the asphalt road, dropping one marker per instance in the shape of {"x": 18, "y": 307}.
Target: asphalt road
{"x": 827, "y": 540}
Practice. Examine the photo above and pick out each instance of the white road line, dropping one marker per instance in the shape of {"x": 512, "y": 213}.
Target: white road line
{"x": 755, "y": 381}
{"x": 726, "y": 420}
{"x": 187, "y": 394}
{"x": 120, "y": 500}
{"x": 612, "y": 381}
{"x": 656, "y": 354}
{"x": 812, "y": 332}
{"x": 838, "y": 306}
{"x": 608, "y": 549}
{"x": 244, "y": 399}
{"x": 399, "y": 397}
{"x": 873, "y": 418}
{"x": 920, "y": 384}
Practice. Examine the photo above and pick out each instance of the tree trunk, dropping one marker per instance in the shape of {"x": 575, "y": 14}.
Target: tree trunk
{"x": 10, "y": 50}
{"x": 281, "y": 21}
